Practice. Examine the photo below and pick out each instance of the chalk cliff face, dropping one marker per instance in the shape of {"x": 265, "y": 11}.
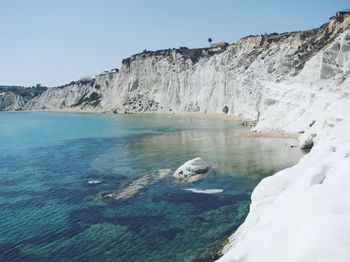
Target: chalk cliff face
{"x": 77, "y": 96}
{"x": 302, "y": 213}
{"x": 13, "y": 98}
{"x": 247, "y": 78}
{"x": 11, "y": 101}
{"x": 295, "y": 82}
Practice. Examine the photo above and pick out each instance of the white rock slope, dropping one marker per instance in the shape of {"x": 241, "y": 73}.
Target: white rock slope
{"x": 303, "y": 213}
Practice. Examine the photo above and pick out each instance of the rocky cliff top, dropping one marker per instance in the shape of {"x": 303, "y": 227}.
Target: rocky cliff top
{"x": 28, "y": 92}
{"x": 310, "y": 42}
{"x": 194, "y": 54}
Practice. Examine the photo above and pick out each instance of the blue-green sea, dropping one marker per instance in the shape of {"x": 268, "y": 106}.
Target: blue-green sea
{"x": 49, "y": 211}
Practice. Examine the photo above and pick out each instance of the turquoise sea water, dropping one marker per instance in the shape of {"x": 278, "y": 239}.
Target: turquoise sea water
{"x": 49, "y": 212}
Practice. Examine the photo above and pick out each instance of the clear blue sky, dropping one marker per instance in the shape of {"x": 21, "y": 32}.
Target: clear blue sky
{"x": 56, "y": 41}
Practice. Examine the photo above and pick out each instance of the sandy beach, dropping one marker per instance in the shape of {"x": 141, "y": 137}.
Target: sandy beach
{"x": 196, "y": 115}
{"x": 268, "y": 135}
{"x": 201, "y": 115}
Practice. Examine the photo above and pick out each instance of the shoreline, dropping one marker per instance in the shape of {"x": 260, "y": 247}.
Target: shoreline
{"x": 55, "y": 111}
{"x": 201, "y": 115}
{"x": 196, "y": 115}
{"x": 268, "y": 135}
{"x": 220, "y": 249}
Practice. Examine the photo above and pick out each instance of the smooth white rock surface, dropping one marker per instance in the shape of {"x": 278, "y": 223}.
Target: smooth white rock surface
{"x": 302, "y": 213}
{"x": 192, "y": 170}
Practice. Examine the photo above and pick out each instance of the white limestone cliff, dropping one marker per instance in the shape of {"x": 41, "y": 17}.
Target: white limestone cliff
{"x": 11, "y": 101}
{"x": 302, "y": 213}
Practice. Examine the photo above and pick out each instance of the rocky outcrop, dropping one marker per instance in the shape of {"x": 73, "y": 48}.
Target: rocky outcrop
{"x": 13, "y": 98}
{"x": 192, "y": 170}
{"x": 77, "y": 96}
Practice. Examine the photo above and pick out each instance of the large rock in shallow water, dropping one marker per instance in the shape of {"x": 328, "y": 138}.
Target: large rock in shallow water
{"x": 192, "y": 170}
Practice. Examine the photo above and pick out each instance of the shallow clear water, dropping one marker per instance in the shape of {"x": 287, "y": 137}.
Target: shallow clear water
{"x": 48, "y": 211}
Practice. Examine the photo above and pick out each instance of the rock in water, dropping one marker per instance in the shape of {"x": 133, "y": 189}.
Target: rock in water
{"x": 306, "y": 141}
{"x": 205, "y": 191}
{"x": 192, "y": 170}
{"x": 131, "y": 190}
{"x": 94, "y": 182}
{"x": 163, "y": 173}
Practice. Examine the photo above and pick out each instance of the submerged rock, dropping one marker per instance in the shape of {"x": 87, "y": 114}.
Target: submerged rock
{"x": 192, "y": 170}
{"x": 135, "y": 187}
{"x": 130, "y": 190}
{"x": 205, "y": 191}
{"x": 163, "y": 173}
{"x": 94, "y": 182}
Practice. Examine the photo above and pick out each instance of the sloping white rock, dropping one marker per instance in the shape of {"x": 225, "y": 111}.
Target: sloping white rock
{"x": 10, "y": 101}
{"x": 302, "y": 213}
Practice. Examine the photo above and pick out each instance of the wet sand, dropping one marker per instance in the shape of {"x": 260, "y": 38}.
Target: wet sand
{"x": 196, "y": 115}
{"x": 268, "y": 135}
